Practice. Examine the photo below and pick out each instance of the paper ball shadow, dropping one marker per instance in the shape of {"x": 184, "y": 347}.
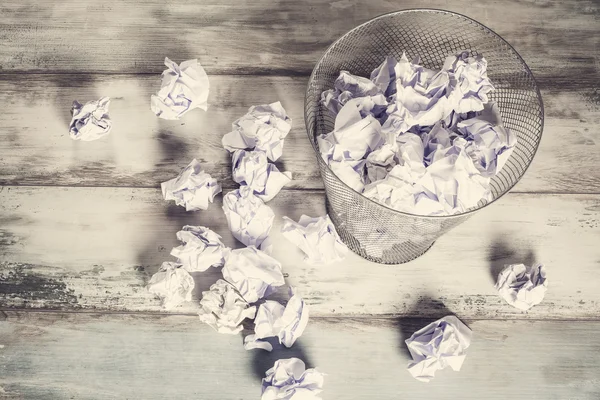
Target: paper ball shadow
{"x": 161, "y": 241}
{"x": 71, "y": 87}
{"x": 204, "y": 280}
{"x": 172, "y": 147}
{"x": 411, "y": 323}
{"x": 263, "y": 360}
{"x": 501, "y": 254}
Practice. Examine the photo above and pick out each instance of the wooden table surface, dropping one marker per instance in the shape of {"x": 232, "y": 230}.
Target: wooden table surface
{"x": 83, "y": 224}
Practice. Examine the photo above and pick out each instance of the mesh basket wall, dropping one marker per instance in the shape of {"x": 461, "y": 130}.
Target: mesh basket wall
{"x": 373, "y": 231}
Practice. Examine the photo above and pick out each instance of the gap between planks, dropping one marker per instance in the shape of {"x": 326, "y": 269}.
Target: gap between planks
{"x": 543, "y": 82}
{"x": 5, "y": 314}
{"x": 303, "y": 190}
{"x": 245, "y": 72}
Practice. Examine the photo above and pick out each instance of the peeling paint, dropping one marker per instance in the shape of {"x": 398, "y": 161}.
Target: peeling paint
{"x": 18, "y": 282}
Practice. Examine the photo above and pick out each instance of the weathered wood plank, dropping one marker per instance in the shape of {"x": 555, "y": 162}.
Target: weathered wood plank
{"x": 95, "y": 248}
{"x": 559, "y": 39}
{"x": 65, "y": 356}
{"x": 143, "y": 150}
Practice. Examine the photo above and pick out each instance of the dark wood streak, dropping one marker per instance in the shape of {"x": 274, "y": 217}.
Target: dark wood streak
{"x": 33, "y": 289}
{"x": 259, "y": 37}
{"x": 101, "y": 245}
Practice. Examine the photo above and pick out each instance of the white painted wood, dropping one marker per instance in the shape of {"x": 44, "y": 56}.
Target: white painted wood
{"x": 94, "y": 248}
{"x": 66, "y": 356}
{"x": 143, "y": 150}
{"x": 556, "y": 37}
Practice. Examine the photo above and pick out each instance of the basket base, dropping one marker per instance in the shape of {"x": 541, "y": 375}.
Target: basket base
{"x": 387, "y": 262}
{"x": 351, "y": 243}
{"x": 391, "y": 257}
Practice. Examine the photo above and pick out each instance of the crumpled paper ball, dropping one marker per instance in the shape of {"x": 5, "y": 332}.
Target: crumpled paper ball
{"x": 192, "y": 188}
{"x": 172, "y": 284}
{"x": 252, "y": 169}
{"x": 441, "y": 344}
{"x": 522, "y": 286}
{"x": 263, "y": 128}
{"x": 253, "y": 272}
{"x": 183, "y": 88}
{"x": 287, "y": 323}
{"x": 90, "y": 121}
{"x": 249, "y": 218}
{"x": 202, "y": 248}
{"x": 317, "y": 238}
{"x": 289, "y": 380}
{"x": 224, "y": 309}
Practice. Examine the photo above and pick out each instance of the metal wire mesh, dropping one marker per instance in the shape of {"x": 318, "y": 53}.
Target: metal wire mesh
{"x": 372, "y": 230}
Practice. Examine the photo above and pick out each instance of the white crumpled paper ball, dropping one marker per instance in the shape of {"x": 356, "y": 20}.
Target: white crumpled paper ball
{"x": 441, "y": 344}
{"x": 172, "y": 284}
{"x": 273, "y": 319}
{"x": 201, "y": 249}
{"x": 90, "y": 121}
{"x": 522, "y": 286}
{"x": 183, "y": 88}
{"x": 192, "y": 188}
{"x": 252, "y": 169}
{"x": 224, "y": 309}
{"x": 317, "y": 238}
{"x": 263, "y": 128}
{"x": 249, "y": 218}
{"x": 253, "y": 272}
{"x": 289, "y": 380}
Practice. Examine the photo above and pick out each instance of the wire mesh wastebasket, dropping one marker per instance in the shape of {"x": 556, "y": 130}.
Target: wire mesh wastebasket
{"x": 370, "y": 229}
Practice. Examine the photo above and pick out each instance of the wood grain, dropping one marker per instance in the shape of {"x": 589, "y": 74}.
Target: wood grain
{"x": 90, "y": 250}
{"x": 142, "y": 150}
{"x": 558, "y": 39}
{"x": 95, "y": 248}
{"x": 65, "y": 356}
